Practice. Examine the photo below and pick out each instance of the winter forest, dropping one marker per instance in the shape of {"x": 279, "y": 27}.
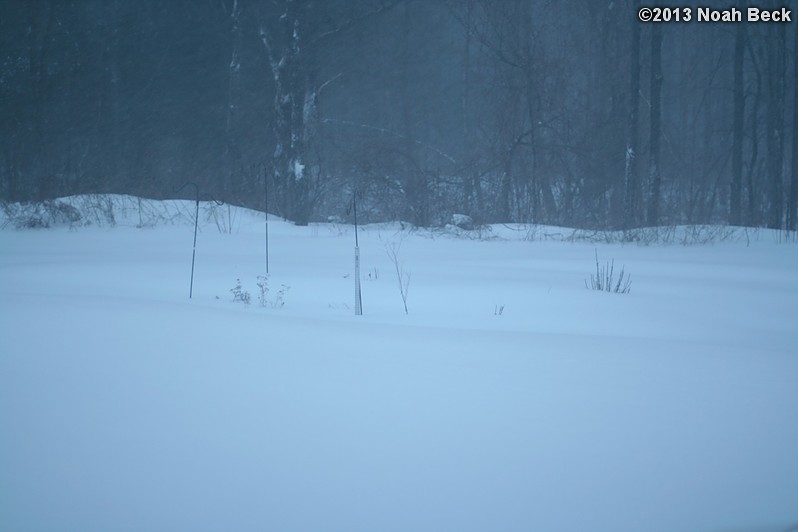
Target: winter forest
{"x": 571, "y": 113}
{"x": 398, "y": 265}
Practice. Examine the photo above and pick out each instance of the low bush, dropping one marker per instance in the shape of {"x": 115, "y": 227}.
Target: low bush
{"x": 605, "y": 280}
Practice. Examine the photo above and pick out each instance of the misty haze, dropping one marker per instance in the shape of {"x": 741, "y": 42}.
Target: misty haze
{"x": 398, "y": 265}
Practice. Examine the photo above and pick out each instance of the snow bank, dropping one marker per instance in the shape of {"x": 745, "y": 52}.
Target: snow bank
{"x": 125, "y": 405}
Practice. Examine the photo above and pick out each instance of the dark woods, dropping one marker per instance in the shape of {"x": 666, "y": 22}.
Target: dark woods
{"x": 569, "y": 112}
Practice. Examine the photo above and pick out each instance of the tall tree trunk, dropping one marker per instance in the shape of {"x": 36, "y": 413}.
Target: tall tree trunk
{"x": 535, "y": 184}
{"x": 631, "y": 185}
{"x": 775, "y": 125}
{"x": 735, "y": 193}
{"x": 753, "y": 215}
{"x": 792, "y": 203}
{"x": 416, "y": 185}
{"x": 294, "y": 111}
{"x": 656, "y": 124}
{"x": 41, "y": 20}
{"x": 113, "y": 152}
{"x": 232, "y": 154}
{"x": 543, "y": 207}
{"x": 472, "y": 193}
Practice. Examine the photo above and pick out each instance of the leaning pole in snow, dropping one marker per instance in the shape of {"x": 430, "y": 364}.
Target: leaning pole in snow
{"x": 196, "y": 220}
{"x": 358, "y": 301}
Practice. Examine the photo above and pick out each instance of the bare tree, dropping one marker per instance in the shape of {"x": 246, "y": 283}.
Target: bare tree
{"x": 294, "y": 107}
{"x": 232, "y": 150}
{"x": 776, "y": 68}
{"x": 293, "y": 46}
{"x": 654, "y": 171}
{"x": 735, "y": 205}
{"x": 631, "y": 184}
{"x": 792, "y": 202}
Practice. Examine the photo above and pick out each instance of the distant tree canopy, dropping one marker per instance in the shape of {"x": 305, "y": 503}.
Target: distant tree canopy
{"x": 569, "y": 112}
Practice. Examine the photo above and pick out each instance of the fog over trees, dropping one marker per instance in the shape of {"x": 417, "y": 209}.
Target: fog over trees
{"x": 567, "y": 112}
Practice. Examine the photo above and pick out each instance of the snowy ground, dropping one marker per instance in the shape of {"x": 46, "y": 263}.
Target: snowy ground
{"x": 126, "y": 406}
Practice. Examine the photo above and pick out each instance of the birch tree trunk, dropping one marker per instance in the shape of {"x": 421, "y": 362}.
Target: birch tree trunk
{"x": 294, "y": 111}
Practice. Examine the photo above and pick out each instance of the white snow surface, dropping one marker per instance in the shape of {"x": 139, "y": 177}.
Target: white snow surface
{"x": 125, "y": 405}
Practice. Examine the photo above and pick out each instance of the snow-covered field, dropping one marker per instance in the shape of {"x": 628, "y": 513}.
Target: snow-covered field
{"x": 510, "y": 398}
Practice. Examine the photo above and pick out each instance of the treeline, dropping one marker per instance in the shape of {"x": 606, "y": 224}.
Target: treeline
{"x": 569, "y": 112}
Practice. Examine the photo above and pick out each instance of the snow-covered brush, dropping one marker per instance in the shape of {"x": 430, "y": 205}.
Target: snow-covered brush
{"x": 239, "y": 294}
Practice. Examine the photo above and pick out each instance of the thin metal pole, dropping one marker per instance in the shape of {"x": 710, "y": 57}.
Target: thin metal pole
{"x": 266, "y": 210}
{"x": 358, "y": 300}
{"x": 354, "y": 206}
{"x": 194, "y": 250}
{"x": 196, "y": 223}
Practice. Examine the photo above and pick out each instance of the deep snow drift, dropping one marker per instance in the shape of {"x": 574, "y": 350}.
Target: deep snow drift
{"x": 509, "y": 398}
